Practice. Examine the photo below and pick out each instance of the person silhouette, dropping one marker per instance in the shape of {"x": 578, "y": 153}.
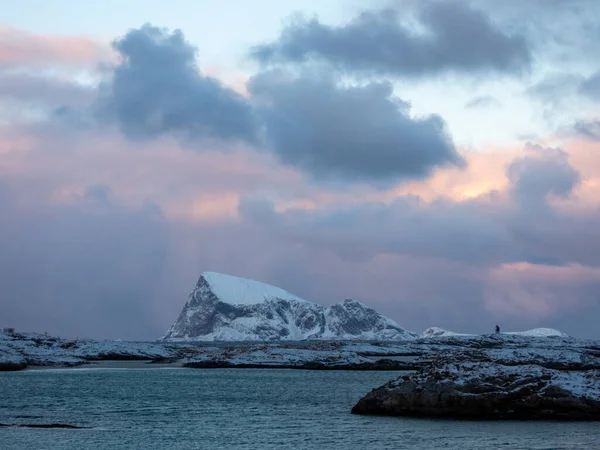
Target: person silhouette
{"x": 497, "y": 329}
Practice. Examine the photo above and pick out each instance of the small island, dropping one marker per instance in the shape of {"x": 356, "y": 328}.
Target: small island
{"x": 496, "y": 383}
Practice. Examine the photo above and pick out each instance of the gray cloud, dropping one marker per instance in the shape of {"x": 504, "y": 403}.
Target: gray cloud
{"x": 158, "y": 89}
{"x": 555, "y": 86}
{"x": 589, "y": 129}
{"x": 312, "y": 122}
{"x": 563, "y": 32}
{"x": 485, "y": 101}
{"x": 39, "y": 90}
{"x": 456, "y": 38}
{"x": 591, "y": 86}
{"x": 352, "y": 133}
{"x": 543, "y": 172}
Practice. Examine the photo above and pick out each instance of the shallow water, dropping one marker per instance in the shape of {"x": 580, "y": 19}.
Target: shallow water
{"x": 240, "y": 409}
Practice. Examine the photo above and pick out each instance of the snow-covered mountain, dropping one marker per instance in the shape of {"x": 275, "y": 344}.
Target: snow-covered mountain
{"x": 227, "y": 308}
{"x": 434, "y": 332}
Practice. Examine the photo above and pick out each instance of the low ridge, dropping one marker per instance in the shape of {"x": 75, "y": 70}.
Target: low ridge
{"x": 435, "y": 332}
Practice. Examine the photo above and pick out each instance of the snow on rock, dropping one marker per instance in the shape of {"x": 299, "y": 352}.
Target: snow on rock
{"x": 354, "y": 320}
{"x": 539, "y": 332}
{"x": 42, "y": 350}
{"x": 435, "y": 332}
{"x": 242, "y": 291}
{"x": 440, "y": 332}
{"x": 227, "y": 308}
{"x": 488, "y": 391}
{"x": 316, "y": 355}
{"x": 18, "y": 350}
{"x": 11, "y": 359}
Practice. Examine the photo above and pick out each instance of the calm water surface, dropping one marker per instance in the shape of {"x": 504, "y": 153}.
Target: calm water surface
{"x": 240, "y": 409}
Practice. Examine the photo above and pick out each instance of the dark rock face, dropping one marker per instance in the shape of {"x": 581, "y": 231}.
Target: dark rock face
{"x": 488, "y": 391}
{"x": 352, "y": 318}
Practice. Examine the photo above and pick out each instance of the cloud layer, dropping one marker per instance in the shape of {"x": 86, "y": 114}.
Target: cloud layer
{"x": 453, "y": 37}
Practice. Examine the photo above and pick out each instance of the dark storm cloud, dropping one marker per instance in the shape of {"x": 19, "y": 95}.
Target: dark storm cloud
{"x": 456, "y": 37}
{"x": 351, "y": 133}
{"x": 157, "y": 88}
{"x": 484, "y": 231}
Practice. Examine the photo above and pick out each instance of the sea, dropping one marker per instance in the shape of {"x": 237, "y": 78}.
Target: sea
{"x": 176, "y": 408}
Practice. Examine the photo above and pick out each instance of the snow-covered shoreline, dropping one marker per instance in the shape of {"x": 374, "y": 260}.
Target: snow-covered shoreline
{"x": 21, "y": 350}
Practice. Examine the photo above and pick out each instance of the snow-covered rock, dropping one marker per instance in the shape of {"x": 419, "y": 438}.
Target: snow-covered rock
{"x": 435, "y": 332}
{"x": 227, "y": 308}
{"x": 11, "y": 359}
{"x": 37, "y": 349}
{"x": 539, "y": 332}
{"x": 489, "y": 390}
{"x": 316, "y": 355}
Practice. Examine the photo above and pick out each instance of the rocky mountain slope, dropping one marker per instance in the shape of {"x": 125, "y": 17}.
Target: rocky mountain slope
{"x": 227, "y": 308}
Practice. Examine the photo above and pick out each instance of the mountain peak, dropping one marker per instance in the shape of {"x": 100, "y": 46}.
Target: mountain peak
{"x": 351, "y": 302}
{"x": 242, "y": 291}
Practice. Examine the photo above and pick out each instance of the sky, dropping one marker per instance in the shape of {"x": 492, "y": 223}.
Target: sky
{"x": 438, "y": 160}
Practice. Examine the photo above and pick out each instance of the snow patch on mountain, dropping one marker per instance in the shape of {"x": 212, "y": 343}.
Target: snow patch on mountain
{"x": 241, "y": 291}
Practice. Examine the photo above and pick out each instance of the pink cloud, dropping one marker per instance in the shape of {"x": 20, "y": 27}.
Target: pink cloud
{"x": 21, "y": 48}
{"x": 186, "y": 184}
{"x": 531, "y": 291}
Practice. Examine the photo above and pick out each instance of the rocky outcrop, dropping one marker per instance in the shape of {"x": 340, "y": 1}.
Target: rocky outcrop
{"x": 20, "y": 350}
{"x": 377, "y": 364}
{"x": 436, "y": 332}
{"x": 479, "y": 390}
{"x": 10, "y": 360}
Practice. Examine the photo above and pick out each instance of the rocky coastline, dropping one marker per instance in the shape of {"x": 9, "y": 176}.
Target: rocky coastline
{"x": 497, "y": 384}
